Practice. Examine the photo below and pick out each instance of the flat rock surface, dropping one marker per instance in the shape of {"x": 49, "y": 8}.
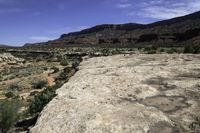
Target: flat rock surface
{"x": 127, "y": 94}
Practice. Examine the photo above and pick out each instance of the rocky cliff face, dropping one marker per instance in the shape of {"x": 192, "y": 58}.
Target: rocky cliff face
{"x": 123, "y": 94}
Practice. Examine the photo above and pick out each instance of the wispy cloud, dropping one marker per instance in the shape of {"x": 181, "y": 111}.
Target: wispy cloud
{"x": 162, "y": 12}
{"x": 121, "y": 4}
{"x": 160, "y": 9}
{"x": 124, "y": 5}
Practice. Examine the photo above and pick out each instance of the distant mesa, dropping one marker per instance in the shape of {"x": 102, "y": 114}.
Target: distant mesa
{"x": 177, "y": 32}
{"x": 4, "y": 46}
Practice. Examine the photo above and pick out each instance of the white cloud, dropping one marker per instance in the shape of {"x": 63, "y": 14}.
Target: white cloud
{"x": 160, "y": 9}
{"x": 121, "y": 4}
{"x": 124, "y": 5}
{"x": 194, "y": 5}
{"x": 163, "y": 12}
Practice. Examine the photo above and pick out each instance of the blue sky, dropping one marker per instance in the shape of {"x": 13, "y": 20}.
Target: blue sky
{"x": 27, "y": 21}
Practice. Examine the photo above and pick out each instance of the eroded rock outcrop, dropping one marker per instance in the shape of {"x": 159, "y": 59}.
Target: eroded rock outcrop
{"x": 8, "y": 58}
{"x": 126, "y": 94}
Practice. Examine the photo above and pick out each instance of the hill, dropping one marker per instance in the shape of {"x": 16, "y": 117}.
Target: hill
{"x": 4, "y": 46}
{"x": 177, "y": 32}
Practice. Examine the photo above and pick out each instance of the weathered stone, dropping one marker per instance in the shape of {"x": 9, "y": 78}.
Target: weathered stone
{"x": 110, "y": 95}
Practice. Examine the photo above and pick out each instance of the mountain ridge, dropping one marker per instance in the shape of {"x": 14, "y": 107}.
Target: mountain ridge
{"x": 163, "y": 33}
{"x": 137, "y": 25}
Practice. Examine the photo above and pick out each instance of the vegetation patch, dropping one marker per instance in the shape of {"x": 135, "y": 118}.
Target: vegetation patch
{"x": 38, "y": 83}
{"x": 9, "y": 114}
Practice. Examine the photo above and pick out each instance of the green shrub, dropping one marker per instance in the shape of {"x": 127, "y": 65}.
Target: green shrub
{"x": 64, "y": 75}
{"x": 188, "y": 49}
{"x": 195, "y": 48}
{"x": 9, "y": 114}
{"x": 45, "y": 68}
{"x": 162, "y": 50}
{"x": 14, "y": 87}
{"x": 24, "y": 62}
{"x": 39, "y": 101}
{"x": 147, "y": 48}
{"x": 172, "y": 50}
{"x": 64, "y": 62}
{"x": 9, "y": 94}
{"x": 105, "y": 52}
{"x": 154, "y": 47}
{"x": 39, "y": 83}
{"x": 152, "y": 52}
{"x": 55, "y": 69}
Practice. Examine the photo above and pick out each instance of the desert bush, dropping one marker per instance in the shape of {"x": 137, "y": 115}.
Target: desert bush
{"x": 154, "y": 47}
{"x": 42, "y": 99}
{"x": 162, "y": 50}
{"x": 105, "y": 52}
{"x": 147, "y": 48}
{"x": 75, "y": 64}
{"x": 38, "y": 83}
{"x": 188, "y": 49}
{"x": 172, "y": 50}
{"x": 14, "y": 87}
{"x": 152, "y": 52}
{"x": 55, "y": 69}
{"x": 195, "y": 48}
{"x": 24, "y": 61}
{"x": 8, "y": 114}
{"x": 64, "y": 62}
{"x": 39, "y": 101}
{"x": 45, "y": 68}
{"x": 9, "y": 94}
{"x": 64, "y": 75}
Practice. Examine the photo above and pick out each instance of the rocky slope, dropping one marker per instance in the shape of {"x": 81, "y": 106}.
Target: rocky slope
{"x": 174, "y": 32}
{"x": 127, "y": 93}
{"x": 8, "y": 58}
